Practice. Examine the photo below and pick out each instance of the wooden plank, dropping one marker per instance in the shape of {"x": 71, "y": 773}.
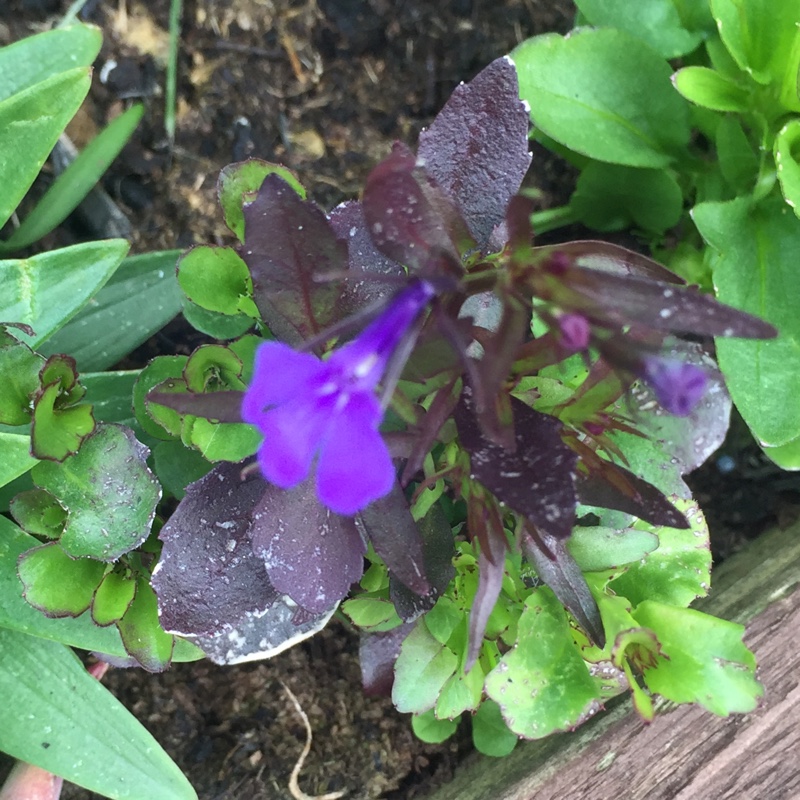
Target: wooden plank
{"x": 686, "y": 753}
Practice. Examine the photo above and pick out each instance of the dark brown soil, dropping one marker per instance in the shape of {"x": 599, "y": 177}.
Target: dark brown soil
{"x": 324, "y": 87}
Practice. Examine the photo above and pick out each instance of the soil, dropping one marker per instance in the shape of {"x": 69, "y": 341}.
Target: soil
{"x": 324, "y": 87}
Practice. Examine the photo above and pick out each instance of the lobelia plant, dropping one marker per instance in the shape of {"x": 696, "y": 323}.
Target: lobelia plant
{"x": 497, "y": 431}
{"x": 684, "y": 119}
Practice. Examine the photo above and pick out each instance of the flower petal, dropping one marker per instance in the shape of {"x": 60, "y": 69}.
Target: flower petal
{"x": 354, "y": 466}
{"x": 292, "y": 434}
{"x": 280, "y": 375}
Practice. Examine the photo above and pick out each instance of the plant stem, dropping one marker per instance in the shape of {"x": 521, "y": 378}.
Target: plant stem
{"x": 552, "y": 218}
{"x": 71, "y": 16}
{"x": 175, "y": 9}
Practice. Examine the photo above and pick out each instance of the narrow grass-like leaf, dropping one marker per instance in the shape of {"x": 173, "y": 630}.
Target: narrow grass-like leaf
{"x": 139, "y": 299}
{"x": 30, "y": 123}
{"x": 75, "y": 182}
{"x": 57, "y": 716}
{"x": 46, "y": 290}
{"x": 16, "y": 459}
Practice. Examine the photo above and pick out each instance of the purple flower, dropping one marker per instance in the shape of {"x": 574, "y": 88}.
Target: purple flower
{"x": 575, "y": 331}
{"x": 678, "y": 386}
{"x": 308, "y": 408}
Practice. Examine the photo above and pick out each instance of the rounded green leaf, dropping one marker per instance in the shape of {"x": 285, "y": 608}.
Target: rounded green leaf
{"x": 58, "y": 433}
{"x": 786, "y": 456}
{"x": 611, "y": 197}
{"x": 112, "y": 598}
{"x": 421, "y": 670}
{"x": 211, "y": 367}
{"x": 604, "y": 94}
{"x": 703, "y": 660}
{"x": 490, "y": 734}
{"x": 157, "y": 420}
{"x": 56, "y": 584}
{"x": 738, "y": 161}
{"x": 542, "y": 684}
{"x": 460, "y": 693}
{"x": 787, "y": 159}
{"x": 222, "y": 441}
{"x": 214, "y": 278}
{"x": 679, "y": 570}
{"x": 656, "y": 22}
{"x": 212, "y": 323}
{"x": 429, "y": 729}
{"x": 108, "y": 491}
{"x": 710, "y": 89}
{"x": 19, "y": 366}
{"x": 38, "y": 512}
{"x": 142, "y": 635}
{"x": 372, "y": 613}
{"x": 597, "y": 549}
{"x": 238, "y": 184}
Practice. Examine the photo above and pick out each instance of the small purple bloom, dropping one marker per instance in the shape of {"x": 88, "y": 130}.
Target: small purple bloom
{"x": 308, "y": 408}
{"x": 575, "y": 331}
{"x": 678, "y": 386}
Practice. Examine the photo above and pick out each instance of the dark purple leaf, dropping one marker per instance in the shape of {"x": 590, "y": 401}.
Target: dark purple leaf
{"x": 559, "y": 570}
{"x": 409, "y": 220}
{"x": 611, "y": 258}
{"x": 490, "y": 581}
{"x": 610, "y": 486}
{"x": 349, "y": 225}
{"x": 221, "y": 406}
{"x": 262, "y": 635}
{"x": 397, "y": 539}
{"x": 437, "y": 544}
{"x": 311, "y": 554}
{"x": 537, "y": 478}
{"x": 289, "y": 248}
{"x": 477, "y": 147}
{"x": 377, "y": 653}
{"x": 657, "y": 305}
{"x": 207, "y": 578}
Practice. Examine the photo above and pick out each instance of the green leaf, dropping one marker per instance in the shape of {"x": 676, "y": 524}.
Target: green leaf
{"x": 56, "y": 584}
{"x": 460, "y": 693}
{"x": 542, "y": 684}
{"x": 421, "y": 670}
{"x": 703, "y": 660}
{"x": 679, "y": 570}
{"x": 738, "y": 161}
{"x": 55, "y": 715}
{"x": 215, "y": 278}
{"x": 212, "y": 323}
{"x": 39, "y": 513}
{"x": 223, "y": 441}
{"x": 57, "y": 433}
{"x": 656, "y": 22}
{"x": 710, "y": 89}
{"x": 490, "y": 734}
{"x": 113, "y": 598}
{"x": 755, "y": 269}
{"x": 786, "y": 456}
{"x": 30, "y": 123}
{"x": 787, "y": 160}
{"x": 141, "y": 633}
{"x": 36, "y": 58}
{"x": 604, "y": 94}
{"x": 15, "y": 457}
{"x": 140, "y": 298}
{"x": 155, "y": 419}
{"x": 610, "y": 197}
{"x": 597, "y": 549}
{"x": 19, "y": 366}
{"x": 443, "y": 619}
{"x": 373, "y": 613}
{"x": 238, "y": 184}
{"x": 77, "y": 180}
{"x": 47, "y": 290}
{"x": 429, "y": 729}
{"x": 178, "y": 466}
{"x": 111, "y": 395}
{"x": 16, "y": 614}
{"x": 108, "y": 491}
{"x": 760, "y": 35}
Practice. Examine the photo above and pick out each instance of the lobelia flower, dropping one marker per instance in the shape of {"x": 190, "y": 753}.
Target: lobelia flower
{"x": 678, "y": 386}
{"x": 306, "y": 408}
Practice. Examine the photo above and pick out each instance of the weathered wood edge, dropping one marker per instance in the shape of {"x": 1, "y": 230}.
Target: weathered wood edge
{"x": 686, "y": 752}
